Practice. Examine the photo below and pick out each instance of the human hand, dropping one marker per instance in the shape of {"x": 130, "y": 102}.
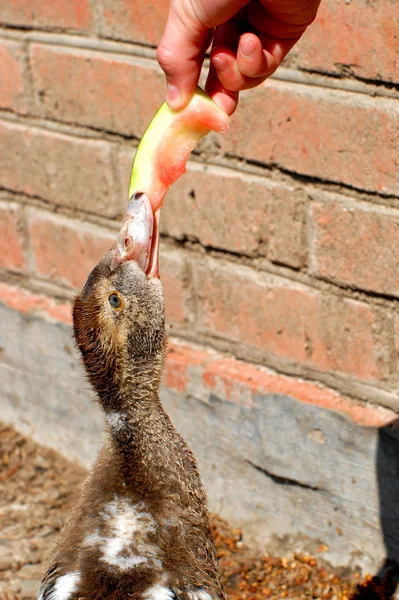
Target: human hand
{"x": 250, "y": 40}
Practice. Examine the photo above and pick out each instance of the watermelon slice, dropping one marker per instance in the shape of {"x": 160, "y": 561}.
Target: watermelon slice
{"x": 160, "y": 159}
{"x": 166, "y": 145}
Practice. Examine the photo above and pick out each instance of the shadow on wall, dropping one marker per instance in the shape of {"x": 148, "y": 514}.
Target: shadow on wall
{"x": 384, "y": 584}
{"x": 388, "y": 487}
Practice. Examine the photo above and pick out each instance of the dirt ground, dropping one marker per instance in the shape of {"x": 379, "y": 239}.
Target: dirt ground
{"x": 37, "y": 487}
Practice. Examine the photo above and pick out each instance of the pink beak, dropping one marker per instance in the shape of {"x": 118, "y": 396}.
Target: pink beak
{"x": 138, "y": 238}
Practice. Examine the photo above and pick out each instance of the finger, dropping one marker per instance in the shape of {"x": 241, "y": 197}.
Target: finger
{"x": 235, "y": 69}
{"x": 223, "y": 56}
{"x": 252, "y": 59}
{"x": 180, "y": 55}
{"x": 226, "y": 99}
{"x": 186, "y": 37}
{"x": 263, "y": 62}
{"x": 230, "y": 78}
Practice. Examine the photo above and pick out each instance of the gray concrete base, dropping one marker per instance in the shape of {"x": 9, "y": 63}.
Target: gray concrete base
{"x": 293, "y": 475}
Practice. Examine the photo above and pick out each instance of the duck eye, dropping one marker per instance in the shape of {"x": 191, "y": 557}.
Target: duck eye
{"x": 115, "y": 300}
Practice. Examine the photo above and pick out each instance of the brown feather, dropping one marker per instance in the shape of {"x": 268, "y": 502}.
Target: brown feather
{"x": 146, "y": 478}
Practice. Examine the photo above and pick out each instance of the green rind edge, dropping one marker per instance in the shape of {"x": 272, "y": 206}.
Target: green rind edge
{"x": 142, "y": 168}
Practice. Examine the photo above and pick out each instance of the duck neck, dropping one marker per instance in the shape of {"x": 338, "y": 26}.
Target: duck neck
{"x": 132, "y": 403}
{"x": 149, "y": 451}
{"x": 136, "y": 383}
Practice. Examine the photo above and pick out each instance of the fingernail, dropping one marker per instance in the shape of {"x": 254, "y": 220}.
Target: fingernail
{"x": 247, "y": 48}
{"x": 172, "y": 94}
{"x": 221, "y": 64}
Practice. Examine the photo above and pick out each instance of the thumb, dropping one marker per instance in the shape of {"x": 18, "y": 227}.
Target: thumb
{"x": 181, "y": 54}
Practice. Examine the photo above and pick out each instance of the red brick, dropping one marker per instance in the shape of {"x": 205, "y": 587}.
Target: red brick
{"x": 105, "y": 91}
{"x": 362, "y": 37}
{"x": 175, "y": 280}
{"x": 74, "y": 14}
{"x": 269, "y": 315}
{"x": 65, "y": 250}
{"x": 14, "y": 92}
{"x": 287, "y": 227}
{"x": 134, "y": 21}
{"x": 11, "y": 237}
{"x": 189, "y": 366}
{"x": 226, "y": 210}
{"x": 219, "y": 208}
{"x": 181, "y": 360}
{"x": 329, "y": 134}
{"x": 230, "y": 211}
{"x": 356, "y": 244}
{"x": 30, "y": 302}
{"x": 240, "y": 382}
{"x": 60, "y": 169}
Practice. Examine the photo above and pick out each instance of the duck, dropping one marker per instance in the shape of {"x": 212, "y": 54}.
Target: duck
{"x": 140, "y": 529}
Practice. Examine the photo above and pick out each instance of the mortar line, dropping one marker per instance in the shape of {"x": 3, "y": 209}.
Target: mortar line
{"x": 367, "y": 394}
{"x": 334, "y": 380}
{"x": 273, "y": 173}
{"x": 67, "y": 128}
{"x": 289, "y": 75}
{"x": 234, "y": 164}
{"x": 259, "y": 264}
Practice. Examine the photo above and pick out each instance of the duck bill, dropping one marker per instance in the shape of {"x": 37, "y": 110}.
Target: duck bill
{"x": 138, "y": 239}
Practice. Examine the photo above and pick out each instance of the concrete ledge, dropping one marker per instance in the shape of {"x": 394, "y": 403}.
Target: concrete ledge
{"x": 298, "y": 466}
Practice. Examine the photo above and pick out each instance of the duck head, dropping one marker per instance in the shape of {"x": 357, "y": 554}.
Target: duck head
{"x": 118, "y": 317}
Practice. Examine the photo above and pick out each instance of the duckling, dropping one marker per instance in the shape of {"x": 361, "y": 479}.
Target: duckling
{"x": 140, "y": 529}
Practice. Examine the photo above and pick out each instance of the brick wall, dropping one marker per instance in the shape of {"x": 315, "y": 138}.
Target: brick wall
{"x": 281, "y": 243}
